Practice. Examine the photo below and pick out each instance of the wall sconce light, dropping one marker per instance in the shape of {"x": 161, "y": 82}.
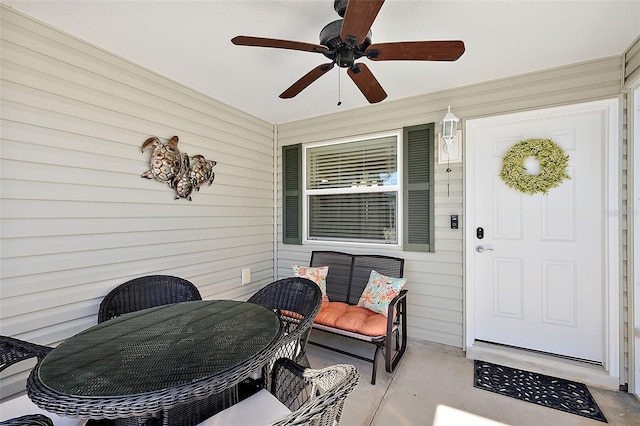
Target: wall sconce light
{"x": 450, "y": 140}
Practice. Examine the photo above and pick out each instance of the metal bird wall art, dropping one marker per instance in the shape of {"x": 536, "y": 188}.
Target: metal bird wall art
{"x": 182, "y": 173}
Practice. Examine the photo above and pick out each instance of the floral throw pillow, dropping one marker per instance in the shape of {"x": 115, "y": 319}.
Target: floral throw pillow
{"x": 317, "y": 275}
{"x": 380, "y": 290}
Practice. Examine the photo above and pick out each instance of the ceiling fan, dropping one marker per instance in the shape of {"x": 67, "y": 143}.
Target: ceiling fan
{"x": 346, "y": 40}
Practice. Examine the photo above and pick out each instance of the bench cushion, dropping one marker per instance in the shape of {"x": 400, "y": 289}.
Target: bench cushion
{"x": 352, "y": 318}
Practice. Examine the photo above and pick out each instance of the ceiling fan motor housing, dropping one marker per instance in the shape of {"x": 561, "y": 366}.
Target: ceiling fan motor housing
{"x": 343, "y": 53}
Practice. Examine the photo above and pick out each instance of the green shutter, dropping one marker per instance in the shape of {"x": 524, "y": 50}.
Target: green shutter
{"x": 418, "y": 187}
{"x": 292, "y": 194}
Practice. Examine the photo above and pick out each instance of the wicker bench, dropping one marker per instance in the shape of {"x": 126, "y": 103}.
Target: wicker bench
{"x": 346, "y": 279}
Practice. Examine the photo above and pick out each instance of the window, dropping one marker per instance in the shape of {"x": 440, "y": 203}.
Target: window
{"x": 352, "y": 190}
{"x": 367, "y": 191}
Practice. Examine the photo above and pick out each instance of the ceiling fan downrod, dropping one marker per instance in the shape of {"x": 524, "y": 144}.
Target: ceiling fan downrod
{"x": 340, "y": 6}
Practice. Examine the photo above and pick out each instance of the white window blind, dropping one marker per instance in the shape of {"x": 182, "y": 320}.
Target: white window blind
{"x": 352, "y": 191}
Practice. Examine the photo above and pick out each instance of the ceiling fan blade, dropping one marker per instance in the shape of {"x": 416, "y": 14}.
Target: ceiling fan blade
{"x": 306, "y": 80}
{"x": 278, "y": 44}
{"x": 358, "y": 19}
{"x": 444, "y": 50}
{"x": 367, "y": 83}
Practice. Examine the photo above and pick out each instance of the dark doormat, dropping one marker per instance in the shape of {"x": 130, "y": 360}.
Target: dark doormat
{"x": 552, "y": 392}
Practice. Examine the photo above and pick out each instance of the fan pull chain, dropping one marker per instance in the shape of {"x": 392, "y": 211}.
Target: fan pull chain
{"x": 339, "y": 95}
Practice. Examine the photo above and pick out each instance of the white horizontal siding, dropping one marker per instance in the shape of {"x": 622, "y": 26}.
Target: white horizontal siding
{"x": 435, "y": 280}
{"x": 76, "y": 217}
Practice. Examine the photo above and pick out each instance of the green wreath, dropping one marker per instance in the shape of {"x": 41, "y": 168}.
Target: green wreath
{"x": 553, "y": 166}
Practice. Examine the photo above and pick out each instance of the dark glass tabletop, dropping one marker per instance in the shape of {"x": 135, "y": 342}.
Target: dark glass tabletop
{"x": 159, "y": 348}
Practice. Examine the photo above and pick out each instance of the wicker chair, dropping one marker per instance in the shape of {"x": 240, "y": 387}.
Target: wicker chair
{"x": 299, "y": 396}
{"x": 297, "y": 302}
{"x": 14, "y": 350}
{"x": 146, "y": 292}
{"x": 315, "y": 397}
{"x": 29, "y": 420}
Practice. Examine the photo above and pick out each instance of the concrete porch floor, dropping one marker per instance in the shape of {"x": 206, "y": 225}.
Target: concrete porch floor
{"x": 433, "y": 385}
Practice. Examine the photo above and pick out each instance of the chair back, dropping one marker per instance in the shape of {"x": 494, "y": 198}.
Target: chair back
{"x": 315, "y": 396}
{"x": 297, "y": 301}
{"x": 146, "y": 292}
{"x": 14, "y": 350}
{"x": 29, "y": 420}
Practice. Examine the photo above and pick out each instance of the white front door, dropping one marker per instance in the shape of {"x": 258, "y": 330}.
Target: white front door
{"x": 541, "y": 282}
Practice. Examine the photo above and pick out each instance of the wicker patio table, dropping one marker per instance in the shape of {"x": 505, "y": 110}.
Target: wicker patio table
{"x": 157, "y": 361}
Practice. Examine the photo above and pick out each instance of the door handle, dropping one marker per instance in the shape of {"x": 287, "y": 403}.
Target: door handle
{"x": 481, "y": 249}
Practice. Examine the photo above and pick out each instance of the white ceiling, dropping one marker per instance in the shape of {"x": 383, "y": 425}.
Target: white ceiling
{"x": 189, "y": 41}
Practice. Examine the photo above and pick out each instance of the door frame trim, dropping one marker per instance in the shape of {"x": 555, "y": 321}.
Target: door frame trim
{"x": 633, "y": 125}
{"x": 611, "y": 108}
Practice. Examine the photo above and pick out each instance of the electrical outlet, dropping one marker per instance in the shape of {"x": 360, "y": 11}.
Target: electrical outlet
{"x": 246, "y": 276}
